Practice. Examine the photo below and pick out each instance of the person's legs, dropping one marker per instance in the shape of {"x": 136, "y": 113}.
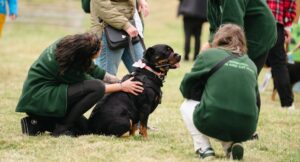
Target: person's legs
{"x": 226, "y": 147}
{"x": 187, "y": 36}
{"x": 129, "y": 58}
{"x": 197, "y": 33}
{"x": 2, "y": 21}
{"x": 81, "y": 97}
{"x": 278, "y": 62}
{"x": 200, "y": 140}
{"x": 260, "y": 61}
{"x": 109, "y": 60}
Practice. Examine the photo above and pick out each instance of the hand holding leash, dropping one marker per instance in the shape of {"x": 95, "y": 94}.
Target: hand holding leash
{"x": 133, "y": 87}
{"x": 132, "y": 31}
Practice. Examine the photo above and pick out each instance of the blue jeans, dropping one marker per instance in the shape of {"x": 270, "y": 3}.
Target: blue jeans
{"x": 109, "y": 60}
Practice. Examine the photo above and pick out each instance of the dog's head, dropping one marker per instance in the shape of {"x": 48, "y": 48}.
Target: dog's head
{"x": 161, "y": 58}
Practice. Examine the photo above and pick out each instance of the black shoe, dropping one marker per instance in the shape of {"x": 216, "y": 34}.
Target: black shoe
{"x": 186, "y": 58}
{"x": 236, "y": 151}
{"x": 30, "y": 126}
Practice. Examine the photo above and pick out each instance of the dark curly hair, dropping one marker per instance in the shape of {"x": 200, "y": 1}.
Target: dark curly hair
{"x": 79, "y": 49}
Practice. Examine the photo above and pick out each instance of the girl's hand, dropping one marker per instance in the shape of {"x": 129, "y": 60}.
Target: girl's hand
{"x": 143, "y": 7}
{"x": 132, "y": 31}
{"x": 134, "y": 87}
{"x": 205, "y": 46}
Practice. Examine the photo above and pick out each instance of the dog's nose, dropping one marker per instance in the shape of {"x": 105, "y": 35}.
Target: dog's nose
{"x": 177, "y": 57}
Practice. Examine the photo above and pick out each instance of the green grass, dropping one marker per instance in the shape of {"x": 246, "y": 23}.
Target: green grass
{"x": 22, "y": 43}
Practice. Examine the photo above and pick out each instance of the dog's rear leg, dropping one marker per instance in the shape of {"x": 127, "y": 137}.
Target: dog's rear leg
{"x": 133, "y": 128}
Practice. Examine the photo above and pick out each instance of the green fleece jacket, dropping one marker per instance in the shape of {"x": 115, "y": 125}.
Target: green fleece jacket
{"x": 45, "y": 91}
{"x": 228, "y": 108}
{"x": 116, "y": 13}
{"x": 253, "y": 15}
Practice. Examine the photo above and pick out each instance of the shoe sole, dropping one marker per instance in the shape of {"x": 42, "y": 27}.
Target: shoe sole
{"x": 237, "y": 151}
{"x": 24, "y": 126}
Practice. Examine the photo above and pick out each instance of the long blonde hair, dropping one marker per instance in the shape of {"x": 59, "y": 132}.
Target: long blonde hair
{"x": 230, "y": 37}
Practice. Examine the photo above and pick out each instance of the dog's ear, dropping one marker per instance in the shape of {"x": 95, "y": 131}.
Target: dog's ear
{"x": 148, "y": 53}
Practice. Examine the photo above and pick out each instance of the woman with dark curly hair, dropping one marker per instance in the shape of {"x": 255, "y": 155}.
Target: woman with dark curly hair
{"x": 64, "y": 83}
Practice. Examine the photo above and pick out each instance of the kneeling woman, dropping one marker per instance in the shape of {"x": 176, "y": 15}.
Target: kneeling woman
{"x": 63, "y": 83}
{"x": 228, "y": 108}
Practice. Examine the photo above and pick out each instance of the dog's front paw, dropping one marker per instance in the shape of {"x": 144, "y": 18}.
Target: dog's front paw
{"x": 143, "y": 131}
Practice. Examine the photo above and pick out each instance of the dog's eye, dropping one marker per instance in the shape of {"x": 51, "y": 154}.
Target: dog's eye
{"x": 169, "y": 49}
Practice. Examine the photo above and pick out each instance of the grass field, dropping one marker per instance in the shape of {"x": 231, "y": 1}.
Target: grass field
{"x": 39, "y": 24}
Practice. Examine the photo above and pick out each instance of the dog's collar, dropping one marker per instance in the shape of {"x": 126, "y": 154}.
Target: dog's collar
{"x": 140, "y": 64}
{"x": 159, "y": 74}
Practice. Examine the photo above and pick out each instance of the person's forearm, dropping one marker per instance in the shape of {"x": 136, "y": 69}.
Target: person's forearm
{"x": 108, "y": 78}
{"x": 109, "y": 88}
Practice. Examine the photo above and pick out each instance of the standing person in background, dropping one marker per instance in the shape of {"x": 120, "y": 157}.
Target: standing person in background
{"x": 118, "y": 14}
{"x": 252, "y": 15}
{"x": 13, "y": 11}
{"x": 284, "y": 12}
{"x": 194, "y": 16}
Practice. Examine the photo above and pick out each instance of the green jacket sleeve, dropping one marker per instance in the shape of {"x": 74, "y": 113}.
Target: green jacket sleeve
{"x": 228, "y": 11}
{"x": 109, "y": 14}
{"x": 96, "y": 72}
{"x": 191, "y": 79}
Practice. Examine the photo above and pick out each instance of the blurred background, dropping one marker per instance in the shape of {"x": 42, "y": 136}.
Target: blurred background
{"x": 41, "y": 22}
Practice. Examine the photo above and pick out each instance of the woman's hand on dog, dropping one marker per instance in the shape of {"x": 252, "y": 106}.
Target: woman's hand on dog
{"x": 134, "y": 87}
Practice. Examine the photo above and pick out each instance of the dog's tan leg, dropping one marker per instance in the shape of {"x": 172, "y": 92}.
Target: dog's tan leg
{"x": 273, "y": 97}
{"x": 133, "y": 128}
{"x": 143, "y": 130}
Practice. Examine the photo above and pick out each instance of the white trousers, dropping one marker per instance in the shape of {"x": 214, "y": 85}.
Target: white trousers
{"x": 200, "y": 140}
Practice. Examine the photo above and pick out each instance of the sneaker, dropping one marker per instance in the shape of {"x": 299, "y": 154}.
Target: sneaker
{"x": 30, "y": 126}
{"x": 237, "y": 151}
{"x": 289, "y": 108}
{"x": 206, "y": 154}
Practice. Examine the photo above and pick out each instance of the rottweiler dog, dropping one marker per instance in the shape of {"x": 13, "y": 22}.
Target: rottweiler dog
{"x": 120, "y": 112}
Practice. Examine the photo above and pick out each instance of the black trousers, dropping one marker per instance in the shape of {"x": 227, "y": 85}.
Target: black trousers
{"x": 192, "y": 27}
{"x": 277, "y": 60}
{"x": 81, "y": 97}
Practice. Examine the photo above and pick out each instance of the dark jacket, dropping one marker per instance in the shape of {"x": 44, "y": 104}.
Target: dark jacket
{"x": 193, "y": 8}
{"x": 45, "y": 91}
{"x": 253, "y": 15}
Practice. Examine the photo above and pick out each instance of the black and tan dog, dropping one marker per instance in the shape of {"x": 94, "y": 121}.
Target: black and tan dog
{"x": 118, "y": 113}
